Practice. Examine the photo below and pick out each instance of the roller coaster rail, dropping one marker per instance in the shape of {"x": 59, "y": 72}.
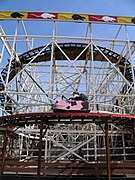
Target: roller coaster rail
{"x": 37, "y": 69}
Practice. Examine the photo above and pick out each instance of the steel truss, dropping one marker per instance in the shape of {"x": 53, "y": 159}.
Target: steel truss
{"x": 37, "y": 69}
{"x": 61, "y": 142}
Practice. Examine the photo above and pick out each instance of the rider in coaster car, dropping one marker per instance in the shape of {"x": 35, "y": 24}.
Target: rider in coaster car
{"x": 76, "y": 96}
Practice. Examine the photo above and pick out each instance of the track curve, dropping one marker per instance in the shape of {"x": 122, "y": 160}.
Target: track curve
{"x": 72, "y": 49}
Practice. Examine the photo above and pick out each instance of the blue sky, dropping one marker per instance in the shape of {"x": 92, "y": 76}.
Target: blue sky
{"x": 111, "y": 7}
{"x": 105, "y": 7}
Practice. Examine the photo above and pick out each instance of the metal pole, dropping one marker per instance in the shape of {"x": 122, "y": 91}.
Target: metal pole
{"x": 107, "y": 151}
{"x": 4, "y": 150}
{"x": 40, "y": 151}
{"x": 133, "y": 127}
{"x": 92, "y": 67}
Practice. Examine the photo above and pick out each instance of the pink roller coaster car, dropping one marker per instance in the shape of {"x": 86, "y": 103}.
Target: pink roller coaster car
{"x": 71, "y": 105}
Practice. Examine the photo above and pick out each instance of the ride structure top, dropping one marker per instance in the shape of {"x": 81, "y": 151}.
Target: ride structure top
{"x": 41, "y": 68}
{"x": 37, "y": 69}
{"x": 58, "y": 16}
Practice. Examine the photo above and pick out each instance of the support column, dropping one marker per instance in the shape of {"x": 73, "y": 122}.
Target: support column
{"x": 40, "y": 151}
{"x": 133, "y": 127}
{"x": 107, "y": 151}
{"x": 4, "y": 150}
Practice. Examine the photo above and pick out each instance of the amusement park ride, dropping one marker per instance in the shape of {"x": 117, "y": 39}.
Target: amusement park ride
{"x": 43, "y": 135}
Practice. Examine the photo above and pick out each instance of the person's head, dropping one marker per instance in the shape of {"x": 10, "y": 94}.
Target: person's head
{"x": 75, "y": 93}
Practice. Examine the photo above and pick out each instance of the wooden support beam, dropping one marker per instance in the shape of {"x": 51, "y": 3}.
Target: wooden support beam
{"x": 133, "y": 128}
{"x": 107, "y": 151}
{"x": 40, "y": 151}
{"x": 4, "y": 150}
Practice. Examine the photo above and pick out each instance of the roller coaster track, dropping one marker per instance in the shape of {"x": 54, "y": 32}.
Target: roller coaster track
{"x": 72, "y": 50}
{"x": 52, "y": 118}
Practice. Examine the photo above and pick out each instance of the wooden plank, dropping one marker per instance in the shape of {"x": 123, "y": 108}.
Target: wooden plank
{"x": 123, "y": 171}
{"x": 69, "y": 171}
{"x": 72, "y": 165}
{"x": 58, "y": 168}
{"x": 20, "y": 170}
